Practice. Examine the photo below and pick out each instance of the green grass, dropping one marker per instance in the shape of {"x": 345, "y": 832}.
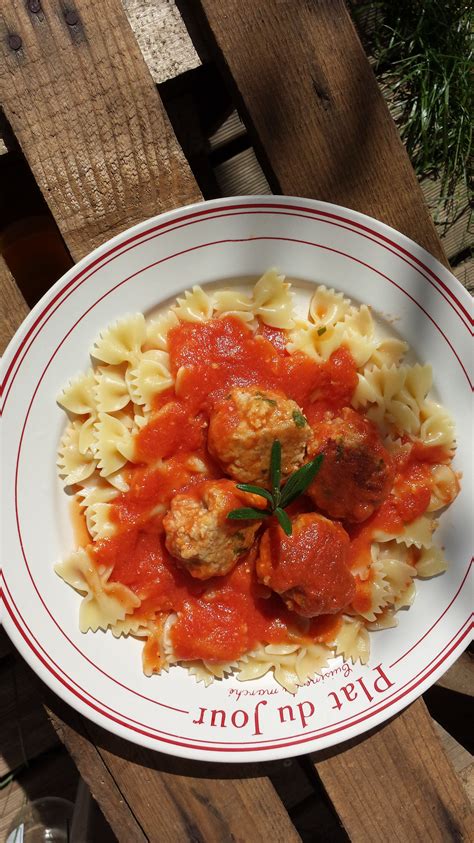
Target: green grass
{"x": 423, "y": 57}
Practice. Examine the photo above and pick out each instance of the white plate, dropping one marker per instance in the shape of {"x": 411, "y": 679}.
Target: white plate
{"x": 143, "y": 267}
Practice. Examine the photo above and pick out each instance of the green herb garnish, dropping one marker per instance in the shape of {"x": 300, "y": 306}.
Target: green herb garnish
{"x": 263, "y": 397}
{"x": 321, "y": 331}
{"x": 278, "y": 498}
{"x": 299, "y": 419}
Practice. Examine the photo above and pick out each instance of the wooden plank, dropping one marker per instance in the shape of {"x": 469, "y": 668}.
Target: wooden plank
{"x": 460, "y": 758}
{"x": 465, "y": 273}
{"x": 313, "y": 108}
{"x": 163, "y": 39}
{"x": 396, "y": 783}
{"x": 25, "y": 731}
{"x": 71, "y": 728}
{"x": 171, "y": 799}
{"x": 460, "y": 677}
{"x": 13, "y": 307}
{"x": 91, "y": 123}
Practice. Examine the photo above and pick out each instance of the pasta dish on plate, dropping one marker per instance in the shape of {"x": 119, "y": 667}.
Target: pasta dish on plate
{"x": 255, "y": 488}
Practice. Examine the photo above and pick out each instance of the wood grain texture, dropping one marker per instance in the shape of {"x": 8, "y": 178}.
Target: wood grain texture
{"x": 71, "y": 729}
{"x": 312, "y": 105}
{"x": 397, "y": 784}
{"x": 13, "y": 307}
{"x": 170, "y": 799}
{"x": 84, "y": 108}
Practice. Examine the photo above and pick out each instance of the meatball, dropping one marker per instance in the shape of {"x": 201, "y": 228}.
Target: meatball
{"x": 307, "y": 569}
{"x": 357, "y": 471}
{"x": 199, "y": 534}
{"x": 245, "y": 424}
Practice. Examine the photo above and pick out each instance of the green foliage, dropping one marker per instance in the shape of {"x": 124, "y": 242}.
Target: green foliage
{"x": 423, "y": 55}
{"x": 278, "y": 498}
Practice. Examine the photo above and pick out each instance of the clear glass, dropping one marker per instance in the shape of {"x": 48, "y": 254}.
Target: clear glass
{"x": 43, "y": 820}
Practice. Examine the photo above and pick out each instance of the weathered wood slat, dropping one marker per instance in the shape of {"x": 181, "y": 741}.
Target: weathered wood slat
{"x": 170, "y": 799}
{"x": 314, "y": 110}
{"x": 397, "y": 784}
{"x": 13, "y": 307}
{"x": 94, "y": 132}
{"x": 86, "y": 112}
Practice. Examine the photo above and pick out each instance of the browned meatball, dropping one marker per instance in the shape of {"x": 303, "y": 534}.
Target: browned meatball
{"x": 244, "y": 426}
{"x": 199, "y": 534}
{"x": 357, "y": 471}
{"x": 308, "y": 569}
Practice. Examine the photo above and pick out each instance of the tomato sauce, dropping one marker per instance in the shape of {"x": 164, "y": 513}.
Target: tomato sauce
{"x": 221, "y": 618}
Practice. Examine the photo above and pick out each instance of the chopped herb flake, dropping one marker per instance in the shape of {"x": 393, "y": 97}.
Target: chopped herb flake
{"x": 321, "y": 331}
{"x": 263, "y": 397}
{"x": 299, "y": 419}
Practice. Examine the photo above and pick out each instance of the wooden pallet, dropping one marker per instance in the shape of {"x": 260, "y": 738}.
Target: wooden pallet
{"x": 92, "y": 126}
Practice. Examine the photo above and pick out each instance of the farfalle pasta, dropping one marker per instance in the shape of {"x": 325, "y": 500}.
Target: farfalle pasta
{"x": 179, "y": 409}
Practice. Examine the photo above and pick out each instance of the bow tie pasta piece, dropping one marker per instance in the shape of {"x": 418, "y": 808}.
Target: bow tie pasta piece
{"x": 150, "y": 376}
{"x": 104, "y": 603}
{"x": 99, "y": 522}
{"x": 206, "y": 672}
{"x": 394, "y": 396}
{"x": 90, "y": 499}
{"x": 378, "y": 590}
{"x": 111, "y": 391}
{"x": 386, "y": 620}
{"x": 431, "y": 562}
{"x": 115, "y": 444}
{"x": 352, "y": 641}
{"x": 157, "y": 331}
{"x": 122, "y": 341}
{"x": 195, "y": 306}
{"x": 86, "y": 441}
{"x": 437, "y": 426}
{"x": 320, "y": 342}
{"x": 237, "y": 304}
{"x": 78, "y": 396}
{"x": 328, "y": 307}
{"x": 273, "y": 301}
{"x": 388, "y": 352}
{"x": 445, "y": 487}
{"x": 418, "y": 532}
{"x": 73, "y": 465}
{"x": 394, "y": 566}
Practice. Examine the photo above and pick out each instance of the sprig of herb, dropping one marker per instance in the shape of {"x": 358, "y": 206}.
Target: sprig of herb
{"x": 278, "y": 498}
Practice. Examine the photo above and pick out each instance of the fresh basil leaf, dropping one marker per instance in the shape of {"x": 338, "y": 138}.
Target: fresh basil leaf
{"x": 283, "y": 520}
{"x": 299, "y": 419}
{"x": 275, "y": 470}
{"x": 246, "y": 513}
{"x": 300, "y": 480}
{"x": 256, "y": 490}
